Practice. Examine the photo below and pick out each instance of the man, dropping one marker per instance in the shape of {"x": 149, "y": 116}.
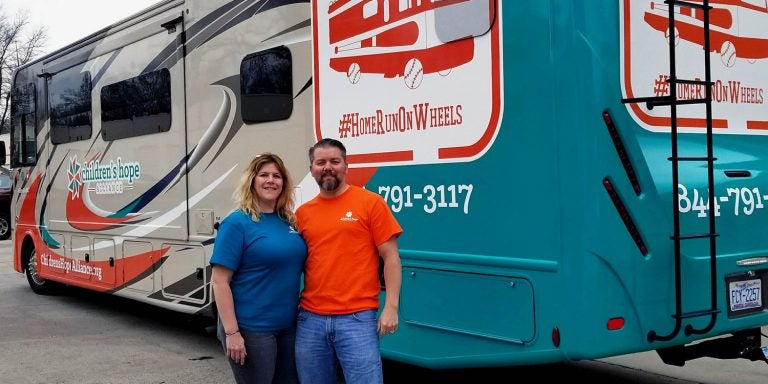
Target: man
{"x": 346, "y": 229}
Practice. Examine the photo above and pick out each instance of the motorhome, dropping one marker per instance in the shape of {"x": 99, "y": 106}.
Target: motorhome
{"x": 564, "y": 173}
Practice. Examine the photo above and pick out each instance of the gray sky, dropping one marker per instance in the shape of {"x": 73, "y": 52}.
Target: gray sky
{"x": 70, "y": 20}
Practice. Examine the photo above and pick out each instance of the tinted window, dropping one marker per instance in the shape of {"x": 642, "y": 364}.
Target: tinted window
{"x": 266, "y": 85}
{"x": 5, "y": 181}
{"x": 464, "y": 19}
{"x": 70, "y": 98}
{"x": 23, "y": 126}
{"x": 137, "y": 106}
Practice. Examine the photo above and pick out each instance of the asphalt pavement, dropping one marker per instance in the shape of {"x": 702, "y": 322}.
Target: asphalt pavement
{"x": 84, "y": 337}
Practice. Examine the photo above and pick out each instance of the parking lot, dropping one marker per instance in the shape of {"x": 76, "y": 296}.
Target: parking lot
{"x": 82, "y": 337}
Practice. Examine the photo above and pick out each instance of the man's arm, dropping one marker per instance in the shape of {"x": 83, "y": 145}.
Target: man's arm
{"x": 393, "y": 276}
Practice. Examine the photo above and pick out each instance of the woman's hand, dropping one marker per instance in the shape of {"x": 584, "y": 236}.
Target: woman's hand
{"x": 236, "y": 348}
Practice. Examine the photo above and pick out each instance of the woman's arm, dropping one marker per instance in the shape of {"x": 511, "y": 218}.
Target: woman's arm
{"x": 222, "y": 294}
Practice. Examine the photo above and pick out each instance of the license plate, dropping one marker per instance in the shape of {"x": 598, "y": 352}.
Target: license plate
{"x": 745, "y": 294}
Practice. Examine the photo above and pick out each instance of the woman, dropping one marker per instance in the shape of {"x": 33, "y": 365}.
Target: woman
{"x": 257, "y": 262}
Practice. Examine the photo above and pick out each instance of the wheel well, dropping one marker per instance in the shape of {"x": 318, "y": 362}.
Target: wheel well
{"x": 26, "y": 249}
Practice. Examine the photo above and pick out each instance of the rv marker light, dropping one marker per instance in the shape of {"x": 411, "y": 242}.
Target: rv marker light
{"x": 621, "y": 151}
{"x": 621, "y": 209}
{"x": 615, "y": 323}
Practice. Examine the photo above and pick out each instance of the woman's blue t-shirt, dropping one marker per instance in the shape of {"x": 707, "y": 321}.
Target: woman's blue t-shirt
{"x": 267, "y": 258}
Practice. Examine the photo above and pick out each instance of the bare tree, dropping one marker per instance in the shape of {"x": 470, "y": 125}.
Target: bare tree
{"x": 16, "y": 49}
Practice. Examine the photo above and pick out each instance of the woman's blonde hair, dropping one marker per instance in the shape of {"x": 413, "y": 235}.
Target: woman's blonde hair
{"x": 247, "y": 199}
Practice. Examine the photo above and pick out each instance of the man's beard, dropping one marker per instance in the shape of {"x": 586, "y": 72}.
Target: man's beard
{"x": 330, "y": 184}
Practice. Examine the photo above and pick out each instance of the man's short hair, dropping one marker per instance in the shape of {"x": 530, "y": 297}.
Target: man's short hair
{"x": 325, "y": 143}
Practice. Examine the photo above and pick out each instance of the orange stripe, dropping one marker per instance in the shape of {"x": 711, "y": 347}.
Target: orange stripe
{"x": 380, "y": 157}
{"x": 757, "y": 124}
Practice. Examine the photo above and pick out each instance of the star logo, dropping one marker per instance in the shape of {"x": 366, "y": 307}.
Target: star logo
{"x": 75, "y": 178}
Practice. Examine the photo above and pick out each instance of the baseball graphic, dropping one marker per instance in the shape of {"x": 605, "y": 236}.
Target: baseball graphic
{"x": 677, "y": 36}
{"x": 413, "y": 73}
{"x": 728, "y": 54}
{"x": 353, "y": 73}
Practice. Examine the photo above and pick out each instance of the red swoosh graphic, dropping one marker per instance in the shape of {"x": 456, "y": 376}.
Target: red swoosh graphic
{"x": 80, "y": 217}
{"x": 79, "y": 272}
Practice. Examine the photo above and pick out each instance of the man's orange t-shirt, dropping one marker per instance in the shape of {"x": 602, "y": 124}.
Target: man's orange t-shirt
{"x": 342, "y": 234}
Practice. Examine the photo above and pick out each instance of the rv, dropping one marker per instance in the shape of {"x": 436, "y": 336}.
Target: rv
{"x": 572, "y": 183}
{"x": 127, "y": 144}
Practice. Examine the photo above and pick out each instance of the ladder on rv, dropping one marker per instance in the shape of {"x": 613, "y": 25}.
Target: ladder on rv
{"x": 672, "y": 101}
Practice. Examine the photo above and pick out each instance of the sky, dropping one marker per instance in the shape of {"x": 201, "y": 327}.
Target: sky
{"x": 67, "y": 21}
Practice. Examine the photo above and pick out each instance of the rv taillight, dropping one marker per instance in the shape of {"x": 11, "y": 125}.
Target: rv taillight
{"x": 607, "y": 118}
{"x": 621, "y": 209}
{"x": 621, "y": 150}
{"x": 615, "y": 323}
{"x": 556, "y": 337}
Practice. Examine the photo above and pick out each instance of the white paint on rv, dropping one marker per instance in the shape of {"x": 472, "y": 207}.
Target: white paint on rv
{"x": 98, "y": 211}
{"x": 306, "y": 189}
{"x": 168, "y": 217}
{"x": 209, "y": 137}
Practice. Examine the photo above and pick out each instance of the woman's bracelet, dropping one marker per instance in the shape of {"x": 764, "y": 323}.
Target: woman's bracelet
{"x": 231, "y": 333}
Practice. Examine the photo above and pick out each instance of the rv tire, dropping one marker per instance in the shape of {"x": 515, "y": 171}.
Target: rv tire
{"x": 5, "y": 225}
{"x": 38, "y": 284}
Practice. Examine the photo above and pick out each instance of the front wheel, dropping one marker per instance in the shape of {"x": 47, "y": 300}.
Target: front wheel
{"x": 353, "y": 73}
{"x": 38, "y": 284}
{"x": 728, "y": 54}
{"x": 5, "y": 225}
{"x": 413, "y": 73}
{"x": 677, "y": 36}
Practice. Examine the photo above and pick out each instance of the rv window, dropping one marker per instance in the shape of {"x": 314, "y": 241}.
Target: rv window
{"x": 370, "y": 9}
{"x": 69, "y": 92}
{"x": 137, "y": 106}
{"x": 465, "y": 19}
{"x": 760, "y": 4}
{"x": 23, "y": 126}
{"x": 266, "y": 85}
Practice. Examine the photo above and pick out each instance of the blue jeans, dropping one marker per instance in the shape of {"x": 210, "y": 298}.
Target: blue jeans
{"x": 323, "y": 341}
{"x": 270, "y": 357}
